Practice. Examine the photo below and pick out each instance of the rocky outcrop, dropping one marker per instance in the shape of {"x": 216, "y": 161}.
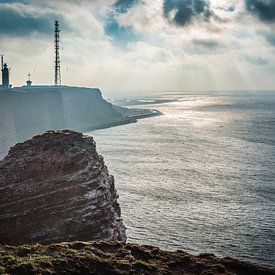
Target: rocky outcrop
{"x": 55, "y": 187}
{"x": 116, "y": 258}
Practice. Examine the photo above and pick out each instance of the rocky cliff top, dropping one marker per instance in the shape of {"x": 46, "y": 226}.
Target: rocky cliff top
{"x": 115, "y": 258}
{"x": 55, "y": 187}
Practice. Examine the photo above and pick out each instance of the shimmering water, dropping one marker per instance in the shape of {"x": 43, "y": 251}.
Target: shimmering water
{"x": 201, "y": 177}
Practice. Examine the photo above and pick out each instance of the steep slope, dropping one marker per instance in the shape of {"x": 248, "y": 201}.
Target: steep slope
{"x": 25, "y": 112}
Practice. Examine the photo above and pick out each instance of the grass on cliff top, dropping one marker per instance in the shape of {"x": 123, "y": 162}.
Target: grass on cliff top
{"x": 114, "y": 258}
{"x": 71, "y": 258}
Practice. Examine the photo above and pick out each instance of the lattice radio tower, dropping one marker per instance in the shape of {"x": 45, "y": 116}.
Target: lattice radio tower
{"x": 57, "y": 73}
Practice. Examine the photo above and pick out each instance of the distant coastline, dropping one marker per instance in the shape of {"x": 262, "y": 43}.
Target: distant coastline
{"x": 26, "y": 111}
{"x": 131, "y": 117}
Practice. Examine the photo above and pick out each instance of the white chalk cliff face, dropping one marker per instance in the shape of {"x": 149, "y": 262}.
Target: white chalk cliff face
{"x": 55, "y": 187}
{"x": 25, "y": 112}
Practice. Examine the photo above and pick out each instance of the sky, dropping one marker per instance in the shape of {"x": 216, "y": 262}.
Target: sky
{"x": 142, "y": 45}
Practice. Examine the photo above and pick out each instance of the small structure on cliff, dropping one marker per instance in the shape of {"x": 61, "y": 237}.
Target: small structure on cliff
{"x": 57, "y": 72}
{"x": 29, "y": 82}
{"x": 5, "y": 74}
{"x": 55, "y": 187}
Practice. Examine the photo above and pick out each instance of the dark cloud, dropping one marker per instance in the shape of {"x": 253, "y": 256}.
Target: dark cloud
{"x": 264, "y": 9}
{"x": 231, "y": 8}
{"x": 19, "y": 21}
{"x": 184, "y": 11}
{"x": 12, "y": 1}
{"x": 122, "y": 6}
{"x": 15, "y": 23}
{"x": 270, "y": 37}
{"x": 121, "y": 35}
{"x": 207, "y": 43}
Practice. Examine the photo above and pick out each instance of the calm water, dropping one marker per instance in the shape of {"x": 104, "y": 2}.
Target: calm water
{"x": 201, "y": 177}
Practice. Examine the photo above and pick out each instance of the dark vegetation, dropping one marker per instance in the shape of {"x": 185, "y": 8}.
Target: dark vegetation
{"x": 114, "y": 258}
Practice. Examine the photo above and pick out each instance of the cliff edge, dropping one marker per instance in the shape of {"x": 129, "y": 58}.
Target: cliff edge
{"x": 28, "y": 111}
{"x": 115, "y": 258}
{"x": 55, "y": 187}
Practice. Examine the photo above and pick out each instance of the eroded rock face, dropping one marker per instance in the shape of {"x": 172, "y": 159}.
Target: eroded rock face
{"x": 55, "y": 187}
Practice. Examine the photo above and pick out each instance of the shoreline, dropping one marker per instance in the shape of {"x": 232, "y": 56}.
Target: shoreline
{"x": 131, "y": 118}
{"x": 128, "y": 116}
{"x": 27, "y": 111}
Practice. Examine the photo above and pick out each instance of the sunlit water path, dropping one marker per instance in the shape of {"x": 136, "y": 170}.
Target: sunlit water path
{"x": 199, "y": 178}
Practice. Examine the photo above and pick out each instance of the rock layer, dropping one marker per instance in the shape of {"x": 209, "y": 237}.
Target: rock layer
{"x": 55, "y": 187}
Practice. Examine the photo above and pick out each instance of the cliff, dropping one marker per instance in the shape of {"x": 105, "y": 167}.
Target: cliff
{"x": 115, "y": 258}
{"x": 27, "y": 111}
{"x": 55, "y": 187}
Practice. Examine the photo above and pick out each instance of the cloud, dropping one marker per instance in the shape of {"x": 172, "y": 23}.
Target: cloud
{"x": 122, "y": 6}
{"x": 13, "y": 1}
{"x": 270, "y": 37}
{"x": 170, "y": 45}
{"x": 203, "y": 46}
{"x": 207, "y": 43}
{"x": 183, "y": 12}
{"x": 22, "y": 20}
{"x": 121, "y": 34}
{"x": 256, "y": 60}
{"x": 264, "y": 9}
{"x": 230, "y": 8}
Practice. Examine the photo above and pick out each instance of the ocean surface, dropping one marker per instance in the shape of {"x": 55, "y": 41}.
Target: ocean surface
{"x": 201, "y": 177}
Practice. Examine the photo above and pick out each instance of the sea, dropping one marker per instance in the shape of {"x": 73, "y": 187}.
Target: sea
{"x": 200, "y": 177}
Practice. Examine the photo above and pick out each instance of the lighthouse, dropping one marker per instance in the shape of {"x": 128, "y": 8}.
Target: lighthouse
{"x": 5, "y": 77}
{"x": 5, "y": 74}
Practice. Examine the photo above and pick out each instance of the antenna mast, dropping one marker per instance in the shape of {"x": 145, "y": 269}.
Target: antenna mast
{"x": 2, "y": 62}
{"x": 57, "y": 73}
